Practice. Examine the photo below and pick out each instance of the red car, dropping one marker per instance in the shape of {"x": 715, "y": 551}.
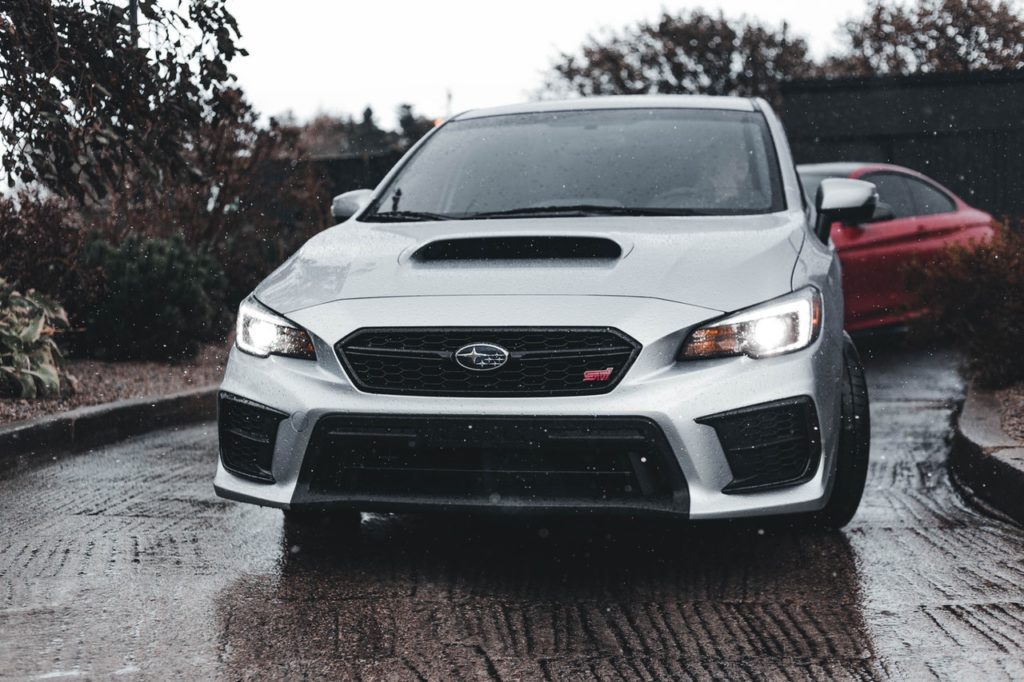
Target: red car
{"x": 916, "y": 217}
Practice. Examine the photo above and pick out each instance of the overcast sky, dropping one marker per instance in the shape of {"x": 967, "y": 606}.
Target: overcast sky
{"x": 311, "y": 56}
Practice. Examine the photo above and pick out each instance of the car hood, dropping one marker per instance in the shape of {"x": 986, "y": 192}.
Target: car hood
{"x": 719, "y": 263}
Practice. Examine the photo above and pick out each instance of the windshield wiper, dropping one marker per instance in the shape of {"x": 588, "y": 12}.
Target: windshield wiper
{"x": 407, "y": 217}
{"x": 538, "y": 211}
{"x": 585, "y": 210}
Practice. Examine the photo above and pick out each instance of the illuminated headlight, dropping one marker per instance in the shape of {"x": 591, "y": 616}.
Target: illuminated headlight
{"x": 782, "y": 325}
{"x": 262, "y": 332}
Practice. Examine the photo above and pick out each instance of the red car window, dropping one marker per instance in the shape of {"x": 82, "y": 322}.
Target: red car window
{"x": 928, "y": 199}
{"x": 894, "y": 190}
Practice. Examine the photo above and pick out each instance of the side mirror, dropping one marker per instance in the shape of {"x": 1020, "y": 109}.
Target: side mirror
{"x": 844, "y": 201}
{"x": 348, "y": 204}
{"x": 883, "y": 212}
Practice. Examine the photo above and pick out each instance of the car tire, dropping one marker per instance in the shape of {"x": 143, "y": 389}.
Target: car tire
{"x": 343, "y": 521}
{"x": 854, "y": 444}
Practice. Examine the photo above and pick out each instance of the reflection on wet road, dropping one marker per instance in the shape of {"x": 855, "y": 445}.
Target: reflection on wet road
{"x": 124, "y": 562}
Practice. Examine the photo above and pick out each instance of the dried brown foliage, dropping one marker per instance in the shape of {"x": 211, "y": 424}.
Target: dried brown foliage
{"x": 251, "y": 202}
{"x": 686, "y": 54}
{"x": 41, "y": 237}
{"x": 931, "y": 36}
{"x": 975, "y": 298}
{"x": 702, "y": 53}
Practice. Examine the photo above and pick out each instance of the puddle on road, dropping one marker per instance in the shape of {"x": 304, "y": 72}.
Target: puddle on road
{"x": 439, "y": 596}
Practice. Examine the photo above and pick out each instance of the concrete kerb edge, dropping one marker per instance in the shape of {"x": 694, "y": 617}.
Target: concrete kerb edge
{"x": 985, "y": 459}
{"x": 89, "y": 427}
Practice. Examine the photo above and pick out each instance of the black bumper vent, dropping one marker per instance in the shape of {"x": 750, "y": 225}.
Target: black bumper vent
{"x": 541, "y": 361}
{"x": 769, "y": 445}
{"x": 247, "y": 432}
{"x": 540, "y": 462}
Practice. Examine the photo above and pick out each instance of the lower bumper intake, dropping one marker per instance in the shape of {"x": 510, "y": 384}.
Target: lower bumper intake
{"x": 536, "y": 462}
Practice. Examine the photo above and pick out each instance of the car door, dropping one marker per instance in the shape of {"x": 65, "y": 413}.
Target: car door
{"x": 946, "y": 220}
{"x": 874, "y": 255}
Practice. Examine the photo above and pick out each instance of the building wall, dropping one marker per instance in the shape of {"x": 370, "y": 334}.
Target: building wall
{"x": 965, "y": 130}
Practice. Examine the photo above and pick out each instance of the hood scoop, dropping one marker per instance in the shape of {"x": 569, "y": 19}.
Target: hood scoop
{"x": 518, "y": 249}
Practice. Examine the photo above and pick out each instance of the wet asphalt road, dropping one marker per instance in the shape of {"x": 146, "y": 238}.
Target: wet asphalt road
{"x": 123, "y": 563}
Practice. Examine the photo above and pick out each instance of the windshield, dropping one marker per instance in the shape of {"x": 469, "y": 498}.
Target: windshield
{"x": 618, "y": 161}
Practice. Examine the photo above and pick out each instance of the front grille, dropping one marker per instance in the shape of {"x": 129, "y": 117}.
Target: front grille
{"x": 247, "y": 432}
{"x": 541, "y": 361}
{"x": 493, "y": 461}
{"x": 769, "y": 445}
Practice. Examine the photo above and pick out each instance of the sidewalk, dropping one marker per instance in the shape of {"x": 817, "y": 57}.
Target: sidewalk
{"x": 986, "y": 459}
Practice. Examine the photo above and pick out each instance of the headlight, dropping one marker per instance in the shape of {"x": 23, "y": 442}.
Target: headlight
{"x": 262, "y": 332}
{"x": 782, "y": 325}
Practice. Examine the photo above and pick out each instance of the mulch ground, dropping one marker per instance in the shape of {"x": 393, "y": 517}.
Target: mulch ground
{"x": 1012, "y": 400}
{"x": 103, "y": 382}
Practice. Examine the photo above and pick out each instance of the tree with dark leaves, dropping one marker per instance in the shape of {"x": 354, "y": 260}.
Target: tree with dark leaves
{"x": 686, "y": 54}
{"x": 411, "y": 125}
{"x": 931, "y": 36}
{"x": 92, "y": 93}
{"x": 329, "y": 136}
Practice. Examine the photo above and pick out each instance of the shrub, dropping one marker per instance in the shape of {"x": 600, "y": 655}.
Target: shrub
{"x": 41, "y": 239}
{"x": 154, "y": 299}
{"x": 28, "y": 354}
{"x": 253, "y": 198}
{"x": 975, "y": 298}
{"x": 251, "y": 202}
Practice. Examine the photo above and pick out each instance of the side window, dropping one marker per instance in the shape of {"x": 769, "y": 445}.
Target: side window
{"x": 894, "y": 190}
{"x": 928, "y": 199}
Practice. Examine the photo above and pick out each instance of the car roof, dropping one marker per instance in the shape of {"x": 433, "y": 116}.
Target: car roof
{"x": 845, "y": 168}
{"x": 616, "y": 102}
{"x": 834, "y": 168}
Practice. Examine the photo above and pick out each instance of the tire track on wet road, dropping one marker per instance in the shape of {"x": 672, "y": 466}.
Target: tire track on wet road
{"x": 124, "y": 560}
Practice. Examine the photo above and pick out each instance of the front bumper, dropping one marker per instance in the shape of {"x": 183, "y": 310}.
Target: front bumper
{"x": 673, "y": 396}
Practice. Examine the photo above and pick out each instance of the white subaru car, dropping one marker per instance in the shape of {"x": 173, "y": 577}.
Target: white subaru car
{"x": 607, "y": 305}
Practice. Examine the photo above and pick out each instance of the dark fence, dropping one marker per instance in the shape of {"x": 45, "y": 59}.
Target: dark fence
{"x": 342, "y": 174}
{"x": 964, "y": 130}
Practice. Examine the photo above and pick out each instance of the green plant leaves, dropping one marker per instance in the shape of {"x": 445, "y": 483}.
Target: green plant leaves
{"x": 19, "y": 382}
{"x": 31, "y": 333}
{"x": 28, "y": 354}
{"x": 47, "y": 377}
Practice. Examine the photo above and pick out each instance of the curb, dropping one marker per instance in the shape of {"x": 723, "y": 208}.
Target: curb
{"x": 986, "y": 459}
{"x": 89, "y": 427}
